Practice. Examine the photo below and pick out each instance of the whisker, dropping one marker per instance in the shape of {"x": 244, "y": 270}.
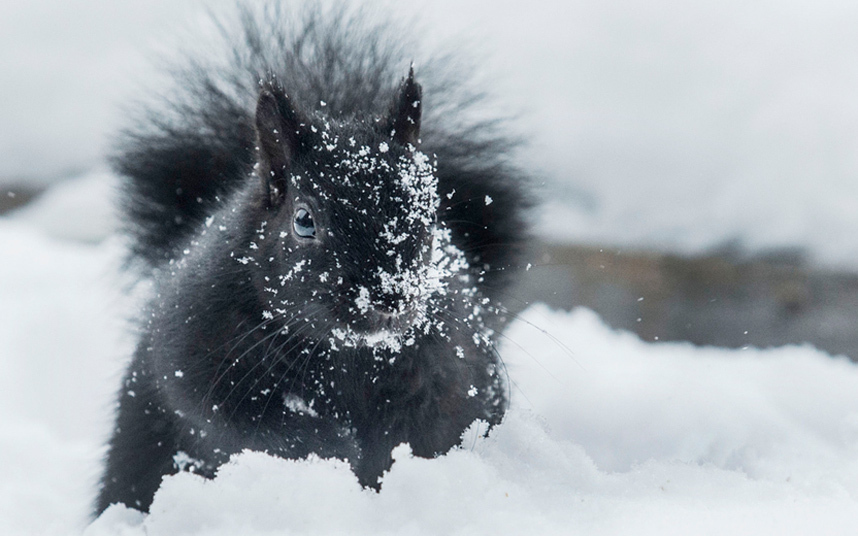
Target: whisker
{"x": 306, "y": 364}
{"x": 277, "y": 360}
{"x": 275, "y": 390}
{"x": 510, "y": 382}
{"x": 220, "y": 372}
{"x": 517, "y": 316}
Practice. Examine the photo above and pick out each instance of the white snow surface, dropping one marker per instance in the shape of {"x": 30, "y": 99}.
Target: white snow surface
{"x": 653, "y": 125}
{"x": 607, "y": 434}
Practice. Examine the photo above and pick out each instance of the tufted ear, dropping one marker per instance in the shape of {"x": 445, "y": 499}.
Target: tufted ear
{"x": 279, "y": 132}
{"x": 404, "y": 118}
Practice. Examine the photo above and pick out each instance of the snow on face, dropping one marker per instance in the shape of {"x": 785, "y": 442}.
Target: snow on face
{"x": 384, "y": 251}
{"x": 414, "y": 272}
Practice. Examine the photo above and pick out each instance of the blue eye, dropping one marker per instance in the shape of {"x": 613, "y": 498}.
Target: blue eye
{"x": 303, "y": 224}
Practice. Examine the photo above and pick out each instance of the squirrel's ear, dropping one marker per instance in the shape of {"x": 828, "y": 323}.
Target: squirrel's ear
{"x": 404, "y": 118}
{"x": 278, "y": 131}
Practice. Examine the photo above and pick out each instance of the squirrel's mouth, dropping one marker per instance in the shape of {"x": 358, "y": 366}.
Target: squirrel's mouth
{"x": 377, "y": 329}
{"x": 384, "y": 338}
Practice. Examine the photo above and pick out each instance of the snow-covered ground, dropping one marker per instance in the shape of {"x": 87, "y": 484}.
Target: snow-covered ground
{"x": 607, "y": 434}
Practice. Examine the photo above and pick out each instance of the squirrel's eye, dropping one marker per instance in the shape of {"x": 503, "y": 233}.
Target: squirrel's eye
{"x": 303, "y": 224}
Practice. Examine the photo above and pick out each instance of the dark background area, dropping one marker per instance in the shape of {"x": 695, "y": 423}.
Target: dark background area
{"x": 720, "y": 299}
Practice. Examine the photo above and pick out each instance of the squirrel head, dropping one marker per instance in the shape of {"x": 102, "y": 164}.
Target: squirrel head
{"x": 352, "y": 240}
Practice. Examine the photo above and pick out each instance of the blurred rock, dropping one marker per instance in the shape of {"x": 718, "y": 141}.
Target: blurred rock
{"x": 14, "y": 194}
{"x": 718, "y": 300}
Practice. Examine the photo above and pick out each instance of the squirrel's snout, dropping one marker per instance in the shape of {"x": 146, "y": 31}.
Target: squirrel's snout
{"x": 389, "y": 309}
{"x": 392, "y": 312}
{"x": 392, "y": 303}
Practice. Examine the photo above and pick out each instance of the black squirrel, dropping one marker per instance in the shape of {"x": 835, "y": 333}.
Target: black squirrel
{"x": 327, "y": 262}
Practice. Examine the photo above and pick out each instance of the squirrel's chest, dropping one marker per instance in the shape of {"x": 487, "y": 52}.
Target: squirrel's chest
{"x": 345, "y": 385}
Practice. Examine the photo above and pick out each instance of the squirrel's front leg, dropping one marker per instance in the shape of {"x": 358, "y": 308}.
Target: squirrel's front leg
{"x": 142, "y": 447}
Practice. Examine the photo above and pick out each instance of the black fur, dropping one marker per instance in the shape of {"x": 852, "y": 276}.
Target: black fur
{"x": 316, "y": 290}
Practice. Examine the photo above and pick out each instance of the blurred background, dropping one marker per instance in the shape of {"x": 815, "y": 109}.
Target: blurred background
{"x": 698, "y": 161}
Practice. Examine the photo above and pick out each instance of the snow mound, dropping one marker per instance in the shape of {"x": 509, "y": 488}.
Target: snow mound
{"x": 61, "y": 354}
{"x": 611, "y": 436}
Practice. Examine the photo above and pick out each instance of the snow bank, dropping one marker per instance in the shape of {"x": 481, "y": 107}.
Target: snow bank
{"x": 61, "y": 353}
{"x": 607, "y": 434}
{"x": 615, "y": 436}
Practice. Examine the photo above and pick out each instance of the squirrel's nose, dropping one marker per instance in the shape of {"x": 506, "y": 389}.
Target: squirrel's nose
{"x": 392, "y": 303}
{"x": 392, "y": 313}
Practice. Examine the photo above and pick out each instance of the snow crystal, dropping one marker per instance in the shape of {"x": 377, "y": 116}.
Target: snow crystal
{"x": 183, "y": 462}
{"x": 296, "y": 404}
{"x": 362, "y": 300}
